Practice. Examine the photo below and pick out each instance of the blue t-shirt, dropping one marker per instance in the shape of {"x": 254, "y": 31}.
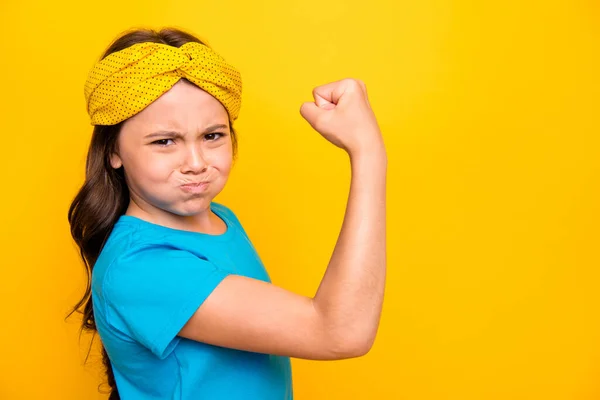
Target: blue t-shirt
{"x": 146, "y": 284}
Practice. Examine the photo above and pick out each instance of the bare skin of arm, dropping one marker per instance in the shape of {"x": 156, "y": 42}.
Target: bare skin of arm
{"x": 341, "y": 320}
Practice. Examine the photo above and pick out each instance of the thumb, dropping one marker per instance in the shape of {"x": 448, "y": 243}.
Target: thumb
{"x": 311, "y": 109}
{"x": 310, "y": 112}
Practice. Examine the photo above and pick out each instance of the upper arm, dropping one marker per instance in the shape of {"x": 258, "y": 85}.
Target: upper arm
{"x": 252, "y": 315}
{"x": 158, "y": 295}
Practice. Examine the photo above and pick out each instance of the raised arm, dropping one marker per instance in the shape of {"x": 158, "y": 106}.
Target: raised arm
{"x": 341, "y": 320}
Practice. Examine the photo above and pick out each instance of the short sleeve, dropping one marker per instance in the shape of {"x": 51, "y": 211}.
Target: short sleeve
{"x": 151, "y": 294}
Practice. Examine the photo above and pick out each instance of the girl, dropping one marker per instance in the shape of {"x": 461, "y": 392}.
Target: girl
{"x": 181, "y": 301}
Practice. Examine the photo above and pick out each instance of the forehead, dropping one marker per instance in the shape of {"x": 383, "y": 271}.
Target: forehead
{"x": 183, "y": 106}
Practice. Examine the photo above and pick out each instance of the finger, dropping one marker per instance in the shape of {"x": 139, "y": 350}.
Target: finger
{"x": 330, "y": 92}
{"x": 326, "y": 105}
{"x": 322, "y": 102}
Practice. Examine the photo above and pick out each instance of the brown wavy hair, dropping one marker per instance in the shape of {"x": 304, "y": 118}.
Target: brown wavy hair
{"x": 104, "y": 195}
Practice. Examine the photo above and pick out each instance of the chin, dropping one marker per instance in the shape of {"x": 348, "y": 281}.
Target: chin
{"x": 191, "y": 207}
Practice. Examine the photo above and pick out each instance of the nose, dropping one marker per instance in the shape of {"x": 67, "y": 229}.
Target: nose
{"x": 194, "y": 161}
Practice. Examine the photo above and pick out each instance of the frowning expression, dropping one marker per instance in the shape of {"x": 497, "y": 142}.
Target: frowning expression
{"x": 176, "y": 152}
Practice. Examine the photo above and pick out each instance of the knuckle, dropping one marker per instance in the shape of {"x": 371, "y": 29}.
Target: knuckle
{"x": 356, "y": 84}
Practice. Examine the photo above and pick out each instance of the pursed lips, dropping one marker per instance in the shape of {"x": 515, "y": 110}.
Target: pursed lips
{"x": 194, "y": 187}
{"x": 194, "y": 183}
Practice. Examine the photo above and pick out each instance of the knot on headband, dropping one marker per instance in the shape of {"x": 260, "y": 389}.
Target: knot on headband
{"x": 125, "y": 82}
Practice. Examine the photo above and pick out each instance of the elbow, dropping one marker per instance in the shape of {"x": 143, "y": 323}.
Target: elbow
{"x": 340, "y": 341}
{"x": 359, "y": 349}
{"x": 351, "y": 347}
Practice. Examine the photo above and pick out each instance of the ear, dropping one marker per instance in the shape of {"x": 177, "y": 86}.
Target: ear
{"x": 115, "y": 161}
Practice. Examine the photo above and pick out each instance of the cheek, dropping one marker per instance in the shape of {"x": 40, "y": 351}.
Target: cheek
{"x": 152, "y": 167}
{"x": 223, "y": 161}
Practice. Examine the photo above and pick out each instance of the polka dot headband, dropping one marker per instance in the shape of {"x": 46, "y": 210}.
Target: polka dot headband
{"x": 125, "y": 82}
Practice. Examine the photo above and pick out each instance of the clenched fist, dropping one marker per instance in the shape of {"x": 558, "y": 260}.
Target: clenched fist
{"x": 341, "y": 113}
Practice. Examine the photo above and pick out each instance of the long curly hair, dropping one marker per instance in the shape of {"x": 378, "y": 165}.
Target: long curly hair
{"x": 104, "y": 195}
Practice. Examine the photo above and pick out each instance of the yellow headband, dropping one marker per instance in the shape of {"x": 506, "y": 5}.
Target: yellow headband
{"x": 125, "y": 82}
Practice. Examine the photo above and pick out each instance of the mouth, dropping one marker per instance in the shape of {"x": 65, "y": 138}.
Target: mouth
{"x": 194, "y": 187}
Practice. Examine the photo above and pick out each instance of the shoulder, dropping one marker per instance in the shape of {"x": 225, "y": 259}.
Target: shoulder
{"x": 143, "y": 252}
{"x": 150, "y": 253}
{"x": 149, "y": 268}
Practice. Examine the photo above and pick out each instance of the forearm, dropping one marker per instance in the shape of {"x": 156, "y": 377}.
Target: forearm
{"x": 350, "y": 295}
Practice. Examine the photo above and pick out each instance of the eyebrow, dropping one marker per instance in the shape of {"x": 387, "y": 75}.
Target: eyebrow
{"x": 164, "y": 133}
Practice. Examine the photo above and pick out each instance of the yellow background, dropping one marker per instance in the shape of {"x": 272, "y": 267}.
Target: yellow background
{"x": 490, "y": 115}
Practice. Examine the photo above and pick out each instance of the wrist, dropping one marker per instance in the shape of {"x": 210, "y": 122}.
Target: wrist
{"x": 373, "y": 152}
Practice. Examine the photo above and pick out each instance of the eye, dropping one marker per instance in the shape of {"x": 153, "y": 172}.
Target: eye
{"x": 211, "y": 136}
{"x": 162, "y": 142}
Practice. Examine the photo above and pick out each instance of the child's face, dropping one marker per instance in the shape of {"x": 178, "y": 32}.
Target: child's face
{"x": 158, "y": 167}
